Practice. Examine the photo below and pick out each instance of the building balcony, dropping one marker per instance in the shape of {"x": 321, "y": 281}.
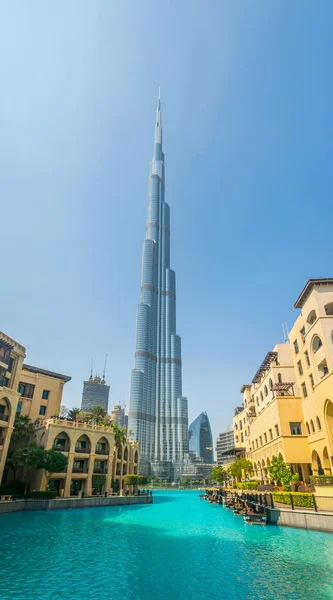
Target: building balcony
{"x": 100, "y": 471}
{"x": 79, "y": 469}
{"x": 82, "y": 450}
{"x": 60, "y": 448}
{"x": 102, "y": 451}
{"x": 4, "y": 418}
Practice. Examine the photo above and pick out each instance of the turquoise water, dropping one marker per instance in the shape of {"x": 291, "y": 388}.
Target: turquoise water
{"x": 180, "y": 547}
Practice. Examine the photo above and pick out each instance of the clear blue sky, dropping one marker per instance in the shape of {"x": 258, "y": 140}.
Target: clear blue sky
{"x": 247, "y": 100}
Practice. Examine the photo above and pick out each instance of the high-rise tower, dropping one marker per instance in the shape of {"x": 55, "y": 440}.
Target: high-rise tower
{"x": 158, "y": 412}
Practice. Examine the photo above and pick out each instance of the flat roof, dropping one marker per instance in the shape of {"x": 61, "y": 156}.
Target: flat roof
{"x": 66, "y": 378}
{"x": 244, "y": 387}
{"x": 306, "y": 291}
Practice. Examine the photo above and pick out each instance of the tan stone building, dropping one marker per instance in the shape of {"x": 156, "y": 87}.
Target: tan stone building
{"x": 41, "y": 392}
{"x": 311, "y": 341}
{"x": 270, "y": 422}
{"x": 12, "y": 355}
{"x": 91, "y": 449}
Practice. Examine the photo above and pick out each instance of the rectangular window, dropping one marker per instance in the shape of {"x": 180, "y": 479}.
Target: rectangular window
{"x": 260, "y": 438}
{"x": 306, "y": 354}
{"x": 303, "y": 332}
{"x": 300, "y": 368}
{"x": 277, "y": 430}
{"x": 295, "y": 428}
{"x": 242, "y": 437}
{"x": 252, "y": 445}
{"x": 45, "y": 395}
{"x": 304, "y": 390}
{"x": 271, "y": 434}
{"x": 311, "y": 380}
{"x": 10, "y": 364}
{"x": 19, "y": 407}
{"x": 256, "y": 443}
{"x": 42, "y": 410}
{"x": 296, "y": 348}
{"x": 265, "y": 438}
{"x": 26, "y": 389}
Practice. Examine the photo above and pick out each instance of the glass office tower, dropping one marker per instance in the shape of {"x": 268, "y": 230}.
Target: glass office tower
{"x": 201, "y": 439}
{"x": 158, "y": 411}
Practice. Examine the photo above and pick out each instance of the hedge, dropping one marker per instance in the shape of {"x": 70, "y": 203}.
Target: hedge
{"x": 247, "y": 485}
{"x": 40, "y": 495}
{"x": 131, "y": 479}
{"x": 142, "y": 480}
{"x": 305, "y": 500}
{"x": 10, "y": 491}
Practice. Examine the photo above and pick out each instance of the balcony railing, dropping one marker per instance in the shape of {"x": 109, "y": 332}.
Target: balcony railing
{"x": 4, "y": 417}
{"x": 60, "y": 448}
{"x": 100, "y": 471}
{"x": 102, "y": 451}
{"x": 82, "y": 450}
{"x": 79, "y": 469}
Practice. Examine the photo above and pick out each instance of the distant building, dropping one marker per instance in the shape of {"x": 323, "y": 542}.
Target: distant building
{"x": 118, "y": 415}
{"x": 224, "y": 442}
{"x": 200, "y": 439}
{"x": 95, "y": 392}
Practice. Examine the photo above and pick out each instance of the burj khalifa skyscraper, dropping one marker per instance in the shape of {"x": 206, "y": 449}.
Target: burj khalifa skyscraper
{"x": 158, "y": 417}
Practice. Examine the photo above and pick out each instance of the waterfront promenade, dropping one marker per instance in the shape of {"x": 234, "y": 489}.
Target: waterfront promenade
{"x": 178, "y": 547}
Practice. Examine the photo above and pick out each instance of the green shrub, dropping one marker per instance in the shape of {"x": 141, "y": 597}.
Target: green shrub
{"x": 305, "y": 500}
{"x": 40, "y": 495}
{"x": 131, "y": 479}
{"x": 247, "y": 485}
{"x": 142, "y": 480}
{"x": 10, "y": 491}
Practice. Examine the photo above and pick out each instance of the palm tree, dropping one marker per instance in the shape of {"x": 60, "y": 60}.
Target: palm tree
{"x": 97, "y": 414}
{"x": 73, "y": 414}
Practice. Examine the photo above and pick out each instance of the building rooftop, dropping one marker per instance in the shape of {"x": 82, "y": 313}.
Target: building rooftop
{"x": 266, "y": 363}
{"x": 66, "y": 378}
{"x": 308, "y": 289}
{"x": 244, "y": 387}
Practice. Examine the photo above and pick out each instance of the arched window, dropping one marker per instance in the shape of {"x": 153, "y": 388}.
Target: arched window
{"x": 316, "y": 343}
{"x": 308, "y": 428}
{"x": 266, "y": 390}
{"x": 318, "y": 422}
{"x": 312, "y": 426}
{"x": 261, "y": 397}
{"x": 329, "y": 309}
{"x": 311, "y": 317}
{"x": 271, "y": 383}
{"x": 279, "y": 378}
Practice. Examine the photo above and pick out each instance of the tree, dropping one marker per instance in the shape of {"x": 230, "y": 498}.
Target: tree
{"x": 241, "y": 464}
{"x": 119, "y": 435}
{"x": 73, "y": 414}
{"x": 280, "y": 472}
{"x": 97, "y": 415}
{"x": 131, "y": 479}
{"x": 17, "y": 451}
{"x": 63, "y": 411}
{"x": 218, "y": 475}
{"x": 50, "y": 461}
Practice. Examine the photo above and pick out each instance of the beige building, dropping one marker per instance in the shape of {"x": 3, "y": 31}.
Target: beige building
{"x": 41, "y": 392}
{"x": 270, "y": 422}
{"x": 12, "y": 355}
{"x": 91, "y": 450}
{"x": 311, "y": 340}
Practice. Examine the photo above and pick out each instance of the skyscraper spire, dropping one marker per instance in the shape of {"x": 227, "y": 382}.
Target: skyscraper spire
{"x": 158, "y": 411}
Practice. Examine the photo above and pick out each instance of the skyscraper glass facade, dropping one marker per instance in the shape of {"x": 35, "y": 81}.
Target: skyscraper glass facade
{"x": 158, "y": 410}
{"x": 201, "y": 439}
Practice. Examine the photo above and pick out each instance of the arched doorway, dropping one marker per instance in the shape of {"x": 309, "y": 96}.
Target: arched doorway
{"x": 328, "y": 413}
{"x": 326, "y": 462}
{"x": 317, "y": 468}
{"x": 62, "y": 442}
